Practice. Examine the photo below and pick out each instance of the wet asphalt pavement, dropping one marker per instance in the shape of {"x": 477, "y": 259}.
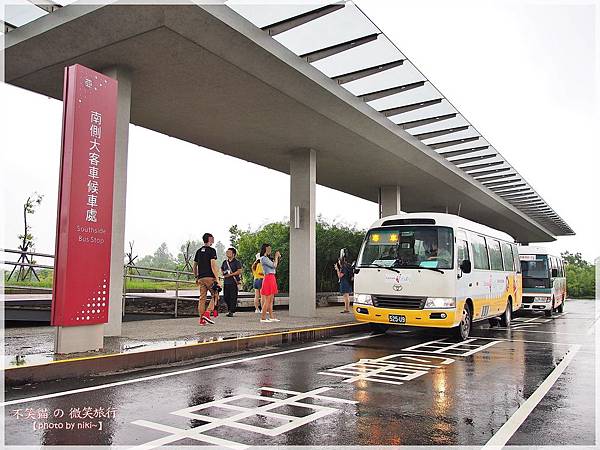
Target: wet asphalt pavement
{"x": 413, "y": 387}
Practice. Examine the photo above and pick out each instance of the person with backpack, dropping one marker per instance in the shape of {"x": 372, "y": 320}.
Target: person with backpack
{"x": 232, "y": 280}
{"x": 345, "y": 275}
{"x": 258, "y": 275}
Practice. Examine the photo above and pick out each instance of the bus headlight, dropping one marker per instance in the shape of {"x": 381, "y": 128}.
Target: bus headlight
{"x": 363, "y": 299}
{"x": 542, "y": 299}
{"x": 440, "y": 303}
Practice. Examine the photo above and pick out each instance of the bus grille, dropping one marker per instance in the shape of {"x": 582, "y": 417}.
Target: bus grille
{"x": 527, "y": 299}
{"x": 399, "y": 302}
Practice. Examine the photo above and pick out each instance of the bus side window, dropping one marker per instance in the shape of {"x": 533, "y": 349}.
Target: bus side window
{"x": 462, "y": 251}
{"x": 516, "y": 256}
{"x": 495, "y": 255}
{"x": 507, "y": 257}
{"x": 480, "y": 253}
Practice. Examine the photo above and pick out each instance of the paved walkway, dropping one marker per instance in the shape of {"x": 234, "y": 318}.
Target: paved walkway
{"x": 35, "y": 344}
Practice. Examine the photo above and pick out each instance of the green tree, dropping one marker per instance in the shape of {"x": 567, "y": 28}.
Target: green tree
{"x": 160, "y": 259}
{"x": 27, "y": 241}
{"x": 330, "y": 238}
{"x": 220, "y": 249}
{"x": 187, "y": 249}
{"x": 580, "y": 276}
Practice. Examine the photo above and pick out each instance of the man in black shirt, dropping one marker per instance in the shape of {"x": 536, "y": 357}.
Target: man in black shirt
{"x": 206, "y": 271}
{"x": 232, "y": 271}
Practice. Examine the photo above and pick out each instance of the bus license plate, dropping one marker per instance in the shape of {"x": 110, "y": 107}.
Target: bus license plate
{"x": 394, "y": 318}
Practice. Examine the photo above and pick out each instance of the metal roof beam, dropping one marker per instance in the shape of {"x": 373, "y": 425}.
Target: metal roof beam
{"x": 502, "y": 184}
{"x": 514, "y": 191}
{"x": 507, "y": 189}
{"x": 454, "y": 142}
{"x": 46, "y": 5}
{"x": 481, "y": 166}
{"x": 322, "y": 53}
{"x": 301, "y": 19}
{"x": 496, "y": 177}
{"x": 406, "y": 108}
{"x": 472, "y": 159}
{"x": 358, "y": 74}
{"x": 464, "y": 151}
{"x": 433, "y": 134}
{"x": 8, "y": 26}
{"x": 522, "y": 196}
{"x": 390, "y": 91}
{"x": 476, "y": 175}
{"x": 531, "y": 202}
{"x": 421, "y": 122}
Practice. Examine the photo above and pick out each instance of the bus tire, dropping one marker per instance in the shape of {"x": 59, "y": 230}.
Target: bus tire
{"x": 379, "y": 328}
{"x": 462, "y": 331}
{"x": 561, "y": 307}
{"x": 549, "y": 312}
{"x": 506, "y": 316}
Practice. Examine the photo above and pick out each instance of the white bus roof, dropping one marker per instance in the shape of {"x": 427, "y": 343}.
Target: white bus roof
{"x": 534, "y": 250}
{"x": 449, "y": 220}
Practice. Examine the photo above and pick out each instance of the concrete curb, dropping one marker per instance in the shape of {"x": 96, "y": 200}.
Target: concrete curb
{"x": 120, "y": 362}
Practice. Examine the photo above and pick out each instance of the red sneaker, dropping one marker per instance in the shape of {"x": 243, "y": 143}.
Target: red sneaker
{"x": 201, "y": 322}
{"x": 206, "y": 317}
{"x": 215, "y": 313}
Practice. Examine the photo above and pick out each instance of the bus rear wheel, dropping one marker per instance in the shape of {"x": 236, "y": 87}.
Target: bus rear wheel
{"x": 461, "y": 332}
{"x": 379, "y": 328}
{"x": 506, "y": 317}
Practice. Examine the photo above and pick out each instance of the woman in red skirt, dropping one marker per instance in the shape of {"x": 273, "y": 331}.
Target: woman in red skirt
{"x": 269, "y": 285}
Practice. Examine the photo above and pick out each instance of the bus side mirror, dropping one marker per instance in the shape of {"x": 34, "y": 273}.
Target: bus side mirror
{"x": 465, "y": 266}
{"x": 554, "y": 273}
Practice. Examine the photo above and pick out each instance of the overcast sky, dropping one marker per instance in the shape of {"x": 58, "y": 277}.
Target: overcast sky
{"x": 525, "y": 74}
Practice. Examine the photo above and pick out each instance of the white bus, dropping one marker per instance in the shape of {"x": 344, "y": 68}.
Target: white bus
{"x": 544, "y": 281}
{"x": 436, "y": 270}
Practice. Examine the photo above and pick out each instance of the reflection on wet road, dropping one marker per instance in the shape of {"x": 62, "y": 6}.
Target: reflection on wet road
{"x": 532, "y": 384}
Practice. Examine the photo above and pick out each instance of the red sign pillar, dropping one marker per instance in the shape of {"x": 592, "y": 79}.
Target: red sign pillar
{"x": 85, "y": 201}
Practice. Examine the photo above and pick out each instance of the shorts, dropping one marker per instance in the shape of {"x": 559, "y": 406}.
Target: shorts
{"x": 269, "y": 285}
{"x": 258, "y": 283}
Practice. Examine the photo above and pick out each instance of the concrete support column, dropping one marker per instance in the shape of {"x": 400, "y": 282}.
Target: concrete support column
{"x": 115, "y": 310}
{"x": 303, "y": 264}
{"x": 389, "y": 201}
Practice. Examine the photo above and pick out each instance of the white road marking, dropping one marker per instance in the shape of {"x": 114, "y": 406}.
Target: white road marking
{"x": 289, "y": 422}
{"x": 525, "y": 340}
{"x": 509, "y": 428}
{"x": 443, "y": 347}
{"x": 391, "y": 369}
{"x": 178, "y": 372}
{"x": 593, "y": 327}
{"x": 538, "y": 331}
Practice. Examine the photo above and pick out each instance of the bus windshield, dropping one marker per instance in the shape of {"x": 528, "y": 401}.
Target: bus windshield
{"x": 535, "y": 266}
{"x": 409, "y": 246}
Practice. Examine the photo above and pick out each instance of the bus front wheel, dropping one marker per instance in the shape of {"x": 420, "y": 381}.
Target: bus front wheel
{"x": 379, "y": 328}
{"x": 506, "y": 317}
{"x": 464, "y": 327}
{"x": 561, "y": 307}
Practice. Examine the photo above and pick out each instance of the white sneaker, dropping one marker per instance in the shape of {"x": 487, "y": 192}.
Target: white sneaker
{"x": 274, "y": 320}
{"x": 265, "y": 320}
{"x": 257, "y": 311}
